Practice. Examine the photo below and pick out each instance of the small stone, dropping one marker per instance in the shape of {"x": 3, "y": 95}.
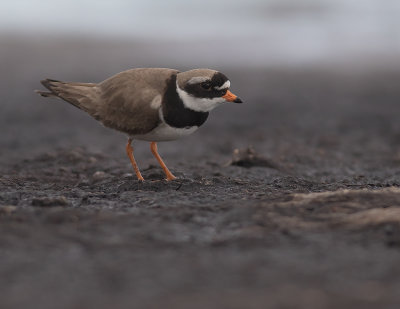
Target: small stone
{"x": 247, "y": 158}
{"x": 50, "y": 201}
{"x": 92, "y": 160}
{"x": 75, "y": 155}
{"x": 99, "y": 175}
{"x": 7, "y": 209}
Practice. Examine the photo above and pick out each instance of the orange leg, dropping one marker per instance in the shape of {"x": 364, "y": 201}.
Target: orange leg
{"x": 129, "y": 151}
{"x": 153, "y": 147}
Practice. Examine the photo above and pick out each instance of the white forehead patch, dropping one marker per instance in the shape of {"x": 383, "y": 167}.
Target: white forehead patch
{"x": 226, "y": 85}
{"x": 198, "y": 104}
{"x": 198, "y": 79}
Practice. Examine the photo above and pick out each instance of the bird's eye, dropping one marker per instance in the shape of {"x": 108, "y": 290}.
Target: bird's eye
{"x": 206, "y": 85}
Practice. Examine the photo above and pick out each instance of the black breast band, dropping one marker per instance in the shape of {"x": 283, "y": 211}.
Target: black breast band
{"x": 175, "y": 113}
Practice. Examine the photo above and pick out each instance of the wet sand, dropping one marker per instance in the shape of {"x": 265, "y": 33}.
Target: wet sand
{"x": 314, "y": 222}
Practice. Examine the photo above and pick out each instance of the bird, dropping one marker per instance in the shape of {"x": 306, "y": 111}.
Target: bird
{"x": 148, "y": 104}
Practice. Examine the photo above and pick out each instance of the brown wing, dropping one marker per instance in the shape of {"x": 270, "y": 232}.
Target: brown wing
{"x": 126, "y": 99}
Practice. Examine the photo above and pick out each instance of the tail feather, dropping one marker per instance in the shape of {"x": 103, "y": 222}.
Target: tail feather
{"x": 45, "y": 94}
{"x": 81, "y": 95}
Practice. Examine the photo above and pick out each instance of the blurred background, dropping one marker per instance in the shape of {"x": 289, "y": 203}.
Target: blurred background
{"x": 293, "y": 61}
{"x": 255, "y": 33}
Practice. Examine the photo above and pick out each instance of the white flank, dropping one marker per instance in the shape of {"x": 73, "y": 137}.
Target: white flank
{"x": 165, "y": 132}
{"x": 198, "y": 104}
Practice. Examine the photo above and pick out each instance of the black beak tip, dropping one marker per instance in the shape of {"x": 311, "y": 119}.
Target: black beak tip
{"x": 238, "y": 100}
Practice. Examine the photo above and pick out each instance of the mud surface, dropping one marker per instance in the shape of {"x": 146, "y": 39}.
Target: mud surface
{"x": 307, "y": 217}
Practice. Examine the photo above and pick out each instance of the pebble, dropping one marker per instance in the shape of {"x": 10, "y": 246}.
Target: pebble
{"x": 7, "y": 209}
{"x": 50, "y": 201}
{"x": 92, "y": 160}
{"x": 99, "y": 175}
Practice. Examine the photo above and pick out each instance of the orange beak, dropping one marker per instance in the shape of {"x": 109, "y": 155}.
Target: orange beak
{"x": 230, "y": 97}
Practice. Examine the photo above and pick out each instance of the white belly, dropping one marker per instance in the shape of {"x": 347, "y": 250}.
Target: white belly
{"x": 165, "y": 132}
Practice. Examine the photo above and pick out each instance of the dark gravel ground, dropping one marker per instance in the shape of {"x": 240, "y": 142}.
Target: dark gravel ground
{"x": 313, "y": 221}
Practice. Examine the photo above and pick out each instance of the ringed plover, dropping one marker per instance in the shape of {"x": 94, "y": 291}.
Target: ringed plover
{"x": 150, "y": 104}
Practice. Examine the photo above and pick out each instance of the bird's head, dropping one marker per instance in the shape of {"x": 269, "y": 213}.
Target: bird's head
{"x": 202, "y": 90}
